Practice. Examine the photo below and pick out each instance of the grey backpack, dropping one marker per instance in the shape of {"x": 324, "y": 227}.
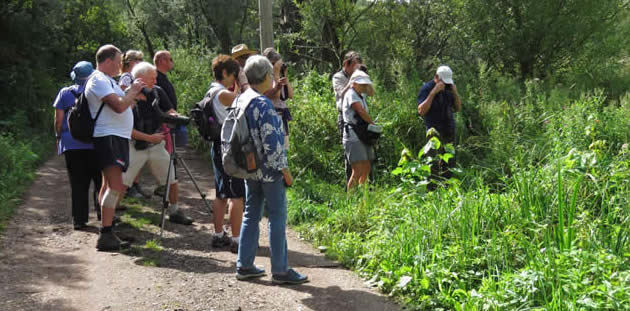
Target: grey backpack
{"x": 240, "y": 157}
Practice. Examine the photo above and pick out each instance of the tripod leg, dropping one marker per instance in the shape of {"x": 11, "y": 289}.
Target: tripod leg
{"x": 167, "y": 191}
{"x": 203, "y": 195}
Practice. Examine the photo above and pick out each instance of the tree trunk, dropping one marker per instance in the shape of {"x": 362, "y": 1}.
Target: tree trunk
{"x": 265, "y": 8}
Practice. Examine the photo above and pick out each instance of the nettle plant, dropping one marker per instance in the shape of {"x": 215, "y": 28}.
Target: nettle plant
{"x": 427, "y": 170}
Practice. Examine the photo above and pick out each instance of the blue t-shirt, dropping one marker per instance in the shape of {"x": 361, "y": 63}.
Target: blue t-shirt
{"x": 65, "y": 101}
{"x": 440, "y": 116}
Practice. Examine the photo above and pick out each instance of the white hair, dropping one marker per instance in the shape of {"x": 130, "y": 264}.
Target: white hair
{"x": 256, "y": 69}
{"x": 141, "y": 69}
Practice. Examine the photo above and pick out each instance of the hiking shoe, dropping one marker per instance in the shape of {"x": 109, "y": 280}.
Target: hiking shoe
{"x": 221, "y": 241}
{"x": 292, "y": 277}
{"x": 179, "y": 218}
{"x": 254, "y": 272}
{"x": 108, "y": 242}
{"x": 144, "y": 193}
{"x": 79, "y": 225}
{"x": 234, "y": 247}
{"x": 159, "y": 191}
{"x": 132, "y": 192}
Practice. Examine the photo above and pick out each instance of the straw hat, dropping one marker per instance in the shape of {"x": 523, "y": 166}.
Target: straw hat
{"x": 242, "y": 49}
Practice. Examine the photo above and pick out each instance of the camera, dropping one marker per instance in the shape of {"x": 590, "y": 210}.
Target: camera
{"x": 171, "y": 120}
{"x": 283, "y": 70}
{"x": 363, "y": 68}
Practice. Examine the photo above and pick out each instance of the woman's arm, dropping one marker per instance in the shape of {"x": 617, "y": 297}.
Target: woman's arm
{"x": 361, "y": 112}
{"x": 59, "y": 113}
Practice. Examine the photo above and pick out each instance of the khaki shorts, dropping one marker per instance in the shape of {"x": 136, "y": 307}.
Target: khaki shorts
{"x": 156, "y": 157}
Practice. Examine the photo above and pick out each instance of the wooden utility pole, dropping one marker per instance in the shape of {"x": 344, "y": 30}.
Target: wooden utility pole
{"x": 266, "y": 24}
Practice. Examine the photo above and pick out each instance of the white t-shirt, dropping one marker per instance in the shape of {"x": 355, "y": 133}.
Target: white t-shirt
{"x": 220, "y": 110}
{"x": 339, "y": 82}
{"x": 109, "y": 122}
{"x": 350, "y": 116}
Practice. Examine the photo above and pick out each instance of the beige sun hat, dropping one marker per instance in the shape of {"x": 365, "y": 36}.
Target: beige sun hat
{"x": 242, "y": 49}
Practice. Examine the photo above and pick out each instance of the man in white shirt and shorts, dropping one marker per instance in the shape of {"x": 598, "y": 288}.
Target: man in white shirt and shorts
{"x": 112, "y": 131}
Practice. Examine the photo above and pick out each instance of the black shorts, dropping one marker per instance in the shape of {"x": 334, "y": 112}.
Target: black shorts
{"x": 227, "y": 187}
{"x": 112, "y": 151}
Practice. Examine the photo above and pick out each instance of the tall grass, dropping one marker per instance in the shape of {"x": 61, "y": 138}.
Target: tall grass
{"x": 538, "y": 220}
{"x": 20, "y": 156}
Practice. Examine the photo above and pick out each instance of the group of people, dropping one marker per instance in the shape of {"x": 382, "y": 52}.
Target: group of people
{"x": 437, "y": 101}
{"x": 129, "y": 135}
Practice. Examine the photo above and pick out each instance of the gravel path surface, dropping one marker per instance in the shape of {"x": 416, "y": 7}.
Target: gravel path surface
{"x": 46, "y": 265}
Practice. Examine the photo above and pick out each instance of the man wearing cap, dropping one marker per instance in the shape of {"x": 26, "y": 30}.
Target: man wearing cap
{"x": 437, "y": 101}
{"x": 241, "y": 52}
{"x": 80, "y": 157}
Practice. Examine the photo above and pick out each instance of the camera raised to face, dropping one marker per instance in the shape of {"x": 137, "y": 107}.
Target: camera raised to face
{"x": 283, "y": 70}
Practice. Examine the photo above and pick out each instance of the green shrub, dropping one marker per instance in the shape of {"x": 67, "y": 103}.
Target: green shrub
{"x": 20, "y": 157}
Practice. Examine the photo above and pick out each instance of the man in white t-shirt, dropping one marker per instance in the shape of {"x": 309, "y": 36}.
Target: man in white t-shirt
{"x": 351, "y": 62}
{"x": 112, "y": 131}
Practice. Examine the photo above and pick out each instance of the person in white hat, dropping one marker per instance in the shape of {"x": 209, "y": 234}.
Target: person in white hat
{"x": 355, "y": 109}
{"x": 437, "y": 102}
{"x": 351, "y": 62}
{"x": 241, "y": 52}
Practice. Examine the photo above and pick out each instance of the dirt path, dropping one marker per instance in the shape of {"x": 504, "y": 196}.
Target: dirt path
{"x": 45, "y": 265}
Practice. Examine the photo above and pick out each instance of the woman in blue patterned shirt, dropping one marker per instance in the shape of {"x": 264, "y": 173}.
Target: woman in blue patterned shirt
{"x": 265, "y": 126}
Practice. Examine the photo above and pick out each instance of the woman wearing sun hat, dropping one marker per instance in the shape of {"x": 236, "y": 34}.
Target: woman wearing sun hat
{"x": 354, "y": 109}
{"x": 80, "y": 157}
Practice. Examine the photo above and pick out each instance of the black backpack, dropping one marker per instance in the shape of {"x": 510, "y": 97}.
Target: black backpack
{"x": 204, "y": 116}
{"x": 80, "y": 122}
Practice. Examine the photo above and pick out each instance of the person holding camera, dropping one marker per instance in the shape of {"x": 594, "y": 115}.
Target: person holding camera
{"x": 355, "y": 110}
{"x": 147, "y": 144}
{"x": 351, "y": 62}
{"x": 80, "y": 157}
{"x": 229, "y": 190}
{"x": 112, "y": 131}
{"x": 280, "y": 91}
{"x": 437, "y": 102}
{"x": 268, "y": 189}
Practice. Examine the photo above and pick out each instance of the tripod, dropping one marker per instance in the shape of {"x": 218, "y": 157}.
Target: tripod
{"x": 172, "y": 163}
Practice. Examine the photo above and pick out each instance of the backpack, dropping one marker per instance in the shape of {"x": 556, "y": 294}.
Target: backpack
{"x": 240, "y": 158}
{"x": 80, "y": 122}
{"x": 205, "y": 117}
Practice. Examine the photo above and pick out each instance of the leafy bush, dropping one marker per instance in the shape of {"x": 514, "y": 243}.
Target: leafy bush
{"x": 20, "y": 157}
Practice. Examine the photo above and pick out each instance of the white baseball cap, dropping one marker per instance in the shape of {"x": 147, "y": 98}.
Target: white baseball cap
{"x": 445, "y": 73}
{"x": 360, "y": 77}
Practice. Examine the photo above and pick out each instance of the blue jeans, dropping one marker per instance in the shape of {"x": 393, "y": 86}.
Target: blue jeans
{"x": 256, "y": 192}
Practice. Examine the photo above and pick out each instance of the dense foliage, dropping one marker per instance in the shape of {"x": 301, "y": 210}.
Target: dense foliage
{"x": 537, "y": 218}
